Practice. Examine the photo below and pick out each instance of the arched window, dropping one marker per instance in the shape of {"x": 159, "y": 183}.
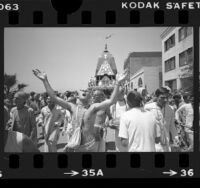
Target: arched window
{"x": 140, "y": 83}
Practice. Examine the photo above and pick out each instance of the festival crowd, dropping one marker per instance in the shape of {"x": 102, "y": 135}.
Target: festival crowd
{"x": 161, "y": 122}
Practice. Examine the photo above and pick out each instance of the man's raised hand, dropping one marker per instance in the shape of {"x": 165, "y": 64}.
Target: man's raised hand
{"x": 122, "y": 77}
{"x": 41, "y": 75}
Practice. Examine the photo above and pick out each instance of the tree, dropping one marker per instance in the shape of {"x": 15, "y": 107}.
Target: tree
{"x": 21, "y": 86}
{"x": 11, "y": 85}
{"x": 9, "y": 82}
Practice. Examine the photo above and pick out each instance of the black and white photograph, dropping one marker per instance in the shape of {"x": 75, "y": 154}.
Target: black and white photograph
{"x": 99, "y": 89}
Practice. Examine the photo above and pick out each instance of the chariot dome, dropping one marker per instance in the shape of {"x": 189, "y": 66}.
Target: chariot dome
{"x": 105, "y": 73}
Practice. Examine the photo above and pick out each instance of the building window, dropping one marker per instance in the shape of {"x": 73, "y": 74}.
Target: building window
{"x": 131, "y": 85}
{"x": 140, "y": 83}
{"x": 172, "y": 84}
{"x": 186, "y": 57}
{"x": 190, "y": 55}
{"x": 184, "y": 32}
{"x": 170, "y": 42}
{"x": 189, "y": 31}
{"x": 170, "y": 64}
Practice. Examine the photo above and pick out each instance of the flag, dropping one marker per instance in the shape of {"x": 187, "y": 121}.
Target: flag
{"x": 107, "y": 37}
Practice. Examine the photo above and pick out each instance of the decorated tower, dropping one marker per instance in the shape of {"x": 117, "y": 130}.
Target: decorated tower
{"x": 105, "y": 74}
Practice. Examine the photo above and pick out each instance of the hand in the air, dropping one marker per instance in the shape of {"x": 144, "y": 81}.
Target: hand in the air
{"x": 122, "y": 77}
{"x": 41, "y": 75}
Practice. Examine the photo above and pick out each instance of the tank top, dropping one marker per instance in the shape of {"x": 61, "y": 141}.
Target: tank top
{"x": 14, "y": 142}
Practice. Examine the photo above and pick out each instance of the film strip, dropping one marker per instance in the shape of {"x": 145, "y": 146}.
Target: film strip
{"x": 98, "y": 14}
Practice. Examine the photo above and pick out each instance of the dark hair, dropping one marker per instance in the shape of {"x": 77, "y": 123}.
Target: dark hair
{"x": 32, "y": 93}
{"x": 186, "y": 96}
{"x": 161, "y": 91}
{"x": 177, "y": 95}
{"x": 134, "y": 99}
{"x": 68, "y": 94}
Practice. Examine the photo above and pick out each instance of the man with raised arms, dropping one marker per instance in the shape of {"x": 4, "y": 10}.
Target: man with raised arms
{"x": 89, "y": 115}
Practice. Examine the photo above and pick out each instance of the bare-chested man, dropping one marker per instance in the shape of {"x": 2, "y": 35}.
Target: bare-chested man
{"x": 99, "y": 126}
{"x": 88, "y": 143}
{"x": 51, "y": 117}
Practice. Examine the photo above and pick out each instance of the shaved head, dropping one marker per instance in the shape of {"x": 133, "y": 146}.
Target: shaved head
{"x": 98, "y": 96}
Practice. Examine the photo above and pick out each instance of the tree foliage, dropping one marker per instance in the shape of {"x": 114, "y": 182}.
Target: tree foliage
{"x": 11, "y": 85}
{"x": 21, "y": 86}
{"x": 9, "y": 82}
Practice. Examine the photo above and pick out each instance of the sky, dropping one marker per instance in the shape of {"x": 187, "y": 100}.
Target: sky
{"x": 69, "y": 56}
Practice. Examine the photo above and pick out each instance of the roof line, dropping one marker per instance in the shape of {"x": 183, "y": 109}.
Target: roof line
{"x": 166, "y": 32}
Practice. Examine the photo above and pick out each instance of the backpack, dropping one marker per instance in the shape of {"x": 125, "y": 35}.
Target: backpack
{"x": 75, "y": 140}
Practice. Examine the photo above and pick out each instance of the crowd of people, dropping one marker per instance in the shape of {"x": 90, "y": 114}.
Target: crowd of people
{"x": 162, "y": 122}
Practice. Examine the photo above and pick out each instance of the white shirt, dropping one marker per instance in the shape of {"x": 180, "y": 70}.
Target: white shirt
{"x": 117, "y": 111}
{"x": 139, "y": 127}
{"x": 161, "y": 126}
{"x": 185, "y": 114}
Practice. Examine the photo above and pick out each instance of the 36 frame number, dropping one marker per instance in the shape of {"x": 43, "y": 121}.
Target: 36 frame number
{"x": 185, "y": 172}
{"x": 9, "y": 7}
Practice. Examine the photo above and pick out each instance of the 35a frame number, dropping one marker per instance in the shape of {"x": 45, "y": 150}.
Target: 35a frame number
{"x": 92, "y": 172}
{"x": 185, "y": 173}
{"x": 9, "y": 7}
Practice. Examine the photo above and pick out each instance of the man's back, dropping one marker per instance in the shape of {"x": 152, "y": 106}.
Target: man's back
{"x": 139, "y": 127}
